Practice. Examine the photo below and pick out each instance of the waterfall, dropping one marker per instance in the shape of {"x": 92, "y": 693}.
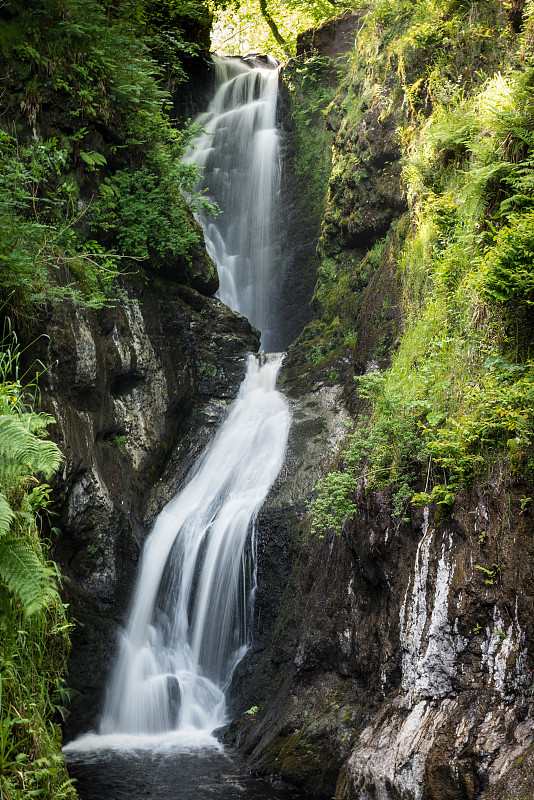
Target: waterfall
{"x": 187, "y": 627}
{"x": 239, "y": 153}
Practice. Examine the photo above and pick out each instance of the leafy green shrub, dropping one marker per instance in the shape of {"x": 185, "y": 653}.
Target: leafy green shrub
{"x": 381, "y": 451}
{"x": 334, "y": 501}
{"x": 497, "y": 410}
{"x": 144, "y": 205}
{"x": 507, "y": 271}
{"x": 148, "y": 221}
{"x": 39, "y": 247}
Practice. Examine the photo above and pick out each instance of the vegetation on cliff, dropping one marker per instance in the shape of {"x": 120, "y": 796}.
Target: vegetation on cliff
{"x": 455, "y": 84}
{"x": 92, "y": 179}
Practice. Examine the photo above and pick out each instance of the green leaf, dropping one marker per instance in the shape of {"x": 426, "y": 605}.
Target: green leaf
{"x": 434, "y": 418}
{"x": 6, "y": 515}
{"x": 24, "y": 575}
{"x": 93, "y": 159}
{"x": 22, "y": 451}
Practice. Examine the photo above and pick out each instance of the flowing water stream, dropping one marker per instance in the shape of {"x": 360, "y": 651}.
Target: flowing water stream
{"x": 187, "y": 627}
{"x": 239, "y": 153}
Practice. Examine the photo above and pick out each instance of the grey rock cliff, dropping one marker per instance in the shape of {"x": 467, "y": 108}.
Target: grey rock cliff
{"x": 400, "y": 664}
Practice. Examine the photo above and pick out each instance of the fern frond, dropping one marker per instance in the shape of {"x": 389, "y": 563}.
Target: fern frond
{"x": 22, "y": 451}
{"x": 30, "y": 581}
{"x": 489, "y": 172}
{"x": 6, "y": 515}
{"x": 38, "y": 423}
{"x": 522, "y": 176}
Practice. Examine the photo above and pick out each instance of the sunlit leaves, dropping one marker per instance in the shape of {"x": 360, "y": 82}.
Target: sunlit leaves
{"x": 241, "y": 28}
{"x": 507, "y": 271}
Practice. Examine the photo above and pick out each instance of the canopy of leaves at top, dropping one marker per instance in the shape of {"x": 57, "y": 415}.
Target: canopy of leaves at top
{"x": 241, "y": 28}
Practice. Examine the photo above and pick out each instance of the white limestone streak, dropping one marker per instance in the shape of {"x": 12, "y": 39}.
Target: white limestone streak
{"x": 428, "y": 643}
{"x": 504, "y": 655}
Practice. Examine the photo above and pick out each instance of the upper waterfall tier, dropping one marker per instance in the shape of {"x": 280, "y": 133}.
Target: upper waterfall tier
{"x": 239, "y": 152}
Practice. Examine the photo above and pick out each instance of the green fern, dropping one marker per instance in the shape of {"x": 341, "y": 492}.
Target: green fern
{"x": 25, "y": 576}
{"x": 22, "y": 451}
{"x": 6, "y": 515}
{"x": 507, "y": 273}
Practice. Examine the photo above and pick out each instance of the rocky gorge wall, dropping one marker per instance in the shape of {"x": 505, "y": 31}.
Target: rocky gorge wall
{"x": 392, "y": 657}
{"x": 403, "y": 654}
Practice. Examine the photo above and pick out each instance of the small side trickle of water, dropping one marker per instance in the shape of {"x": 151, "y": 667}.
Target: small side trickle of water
{"x": 239, "y": 153}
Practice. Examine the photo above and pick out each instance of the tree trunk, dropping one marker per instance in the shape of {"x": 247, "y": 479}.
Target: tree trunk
{"x": 272, "y": 24}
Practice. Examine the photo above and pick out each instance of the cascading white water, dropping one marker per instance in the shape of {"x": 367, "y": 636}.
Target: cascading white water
{"x": 239, "y": 153}
{"x": 187, "y": 627}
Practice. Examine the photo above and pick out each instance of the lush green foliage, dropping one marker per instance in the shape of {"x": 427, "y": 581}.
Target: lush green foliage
{"x": 458, "y": 397}
{"x": 93, "y": 62}
{"x": 33, "y": 627}
{"x": 40, "y": 251}
{"x": 93, "y": 52}
{"x": 507, "y": 272}
{"x": 143, "y": 205}
{"x": 334, "y": 501}
{"x": 436, "y": 50}
{"x": 241, "y": 27}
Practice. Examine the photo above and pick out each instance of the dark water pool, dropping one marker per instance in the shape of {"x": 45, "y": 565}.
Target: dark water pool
{"x": 192, "y": 775}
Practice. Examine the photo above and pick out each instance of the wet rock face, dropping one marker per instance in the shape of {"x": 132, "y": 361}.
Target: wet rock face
{"x": 127, "y": 385}
{"x": 402, "y": 656}
{"x": 459, "y": 716}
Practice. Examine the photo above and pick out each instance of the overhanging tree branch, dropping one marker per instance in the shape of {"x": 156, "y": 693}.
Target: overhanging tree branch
{"x": 272, "y": 24}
